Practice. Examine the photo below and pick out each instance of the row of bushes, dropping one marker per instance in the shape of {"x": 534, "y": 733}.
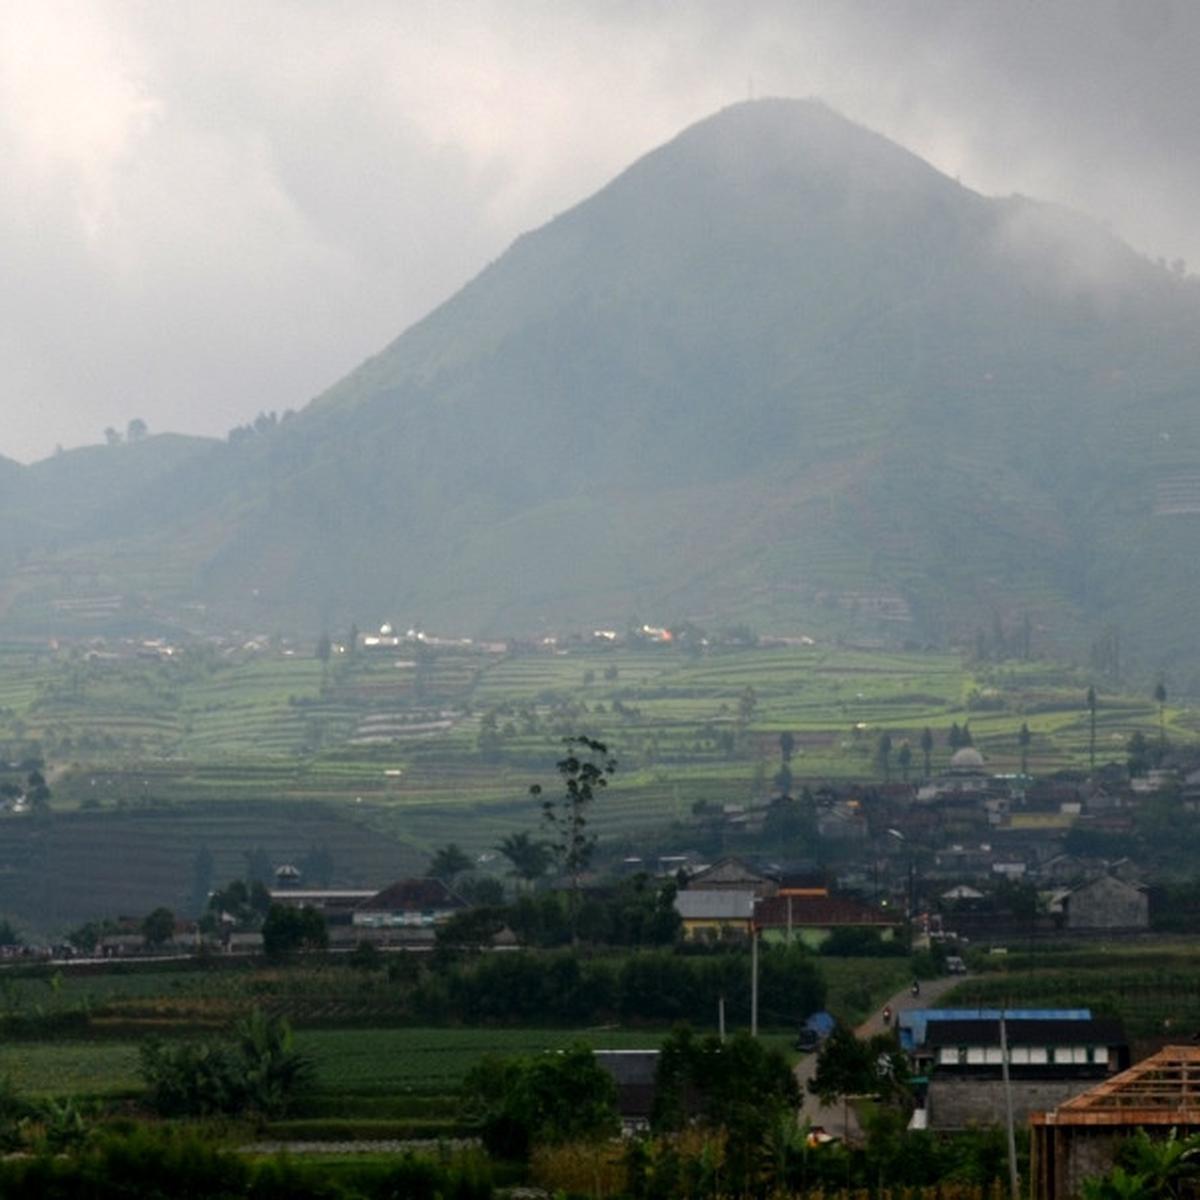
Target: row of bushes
{"x": 652, "y": 986}
{"x": 173, "y": 1166}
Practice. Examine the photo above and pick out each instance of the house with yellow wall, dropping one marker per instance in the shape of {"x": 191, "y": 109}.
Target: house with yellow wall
{"x": 713, "y": 915}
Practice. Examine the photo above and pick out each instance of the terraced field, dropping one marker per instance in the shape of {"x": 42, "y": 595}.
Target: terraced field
{"x": 385, "y": 755}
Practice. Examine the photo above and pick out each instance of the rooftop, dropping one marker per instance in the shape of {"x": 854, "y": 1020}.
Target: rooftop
{"x": 413, "y": 895}
{"x": 823, "y": 911}
{"x": 1163, "y": 1089}
{"x": 714, "y": 905}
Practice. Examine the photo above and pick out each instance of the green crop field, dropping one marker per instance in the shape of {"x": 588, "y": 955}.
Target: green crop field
{"x": 383, "y": 756}
{"x": 1153, "y": 988}
{"x": 369, "y": 1063}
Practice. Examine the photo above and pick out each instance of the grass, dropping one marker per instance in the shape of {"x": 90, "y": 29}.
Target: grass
{"x": 93, "y": 1068}
{"x": 858, "y": 986}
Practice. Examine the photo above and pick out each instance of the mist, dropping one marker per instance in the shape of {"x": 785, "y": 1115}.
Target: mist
{"x": 211, "y": 210}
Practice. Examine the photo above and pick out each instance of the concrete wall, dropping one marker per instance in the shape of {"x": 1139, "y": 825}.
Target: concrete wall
{"x": 957, "y": 1103}
{"x": 1089, "y": 1153}
{"x": 1107, "y": 903}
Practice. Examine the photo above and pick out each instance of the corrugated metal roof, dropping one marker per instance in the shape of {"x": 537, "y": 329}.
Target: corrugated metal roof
{"x": 914, "y": 1021}
{"x": 714, "y": 905}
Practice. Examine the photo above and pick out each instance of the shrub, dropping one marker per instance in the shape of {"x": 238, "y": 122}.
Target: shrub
{"x": 258, "y": 1071}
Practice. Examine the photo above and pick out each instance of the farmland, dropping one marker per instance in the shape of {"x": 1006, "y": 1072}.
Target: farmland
{"x": 380, "y": 756}
{"x": 1153, "y": 987}
{"x": 76, "y": 1032}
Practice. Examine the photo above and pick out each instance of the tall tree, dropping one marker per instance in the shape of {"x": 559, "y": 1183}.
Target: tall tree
{"x": 883, "y": 755}
{"x": 904, "y": 758}
{"x": 926, "y": 747}
{"x": 158, "y": 927}
{"x": 1160, "y": 698}
{"x": 1023, "y": 740}
{"x": 583, "y": 770}
{"x": 783, "y": 780}
{"x": 286, "y": 930}
{"x": 258, "y": 866}
{"x": 203, "y": 874}
{"x": 787, "y": 746}
{"x": 1091, "y": 705}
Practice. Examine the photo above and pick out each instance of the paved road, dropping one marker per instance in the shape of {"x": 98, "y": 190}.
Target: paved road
{"x": 839, "y": 1119}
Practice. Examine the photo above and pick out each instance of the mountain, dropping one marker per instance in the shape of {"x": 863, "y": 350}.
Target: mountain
{"x": 780, "y": 370}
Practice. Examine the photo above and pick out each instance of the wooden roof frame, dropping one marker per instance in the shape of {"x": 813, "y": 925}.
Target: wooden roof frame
{"x": 1163, "y": 1089}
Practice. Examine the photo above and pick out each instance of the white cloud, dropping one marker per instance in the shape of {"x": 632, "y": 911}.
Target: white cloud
{"x": 214, "y": 207}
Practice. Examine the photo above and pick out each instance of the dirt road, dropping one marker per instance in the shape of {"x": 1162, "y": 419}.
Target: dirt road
{"x": 839, "y": 1119}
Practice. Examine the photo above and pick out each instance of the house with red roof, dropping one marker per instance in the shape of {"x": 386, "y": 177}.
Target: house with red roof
{"x": 812, "y": 919}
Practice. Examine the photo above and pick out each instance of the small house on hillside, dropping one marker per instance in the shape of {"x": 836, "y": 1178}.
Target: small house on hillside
{"x": 409, "y": 904}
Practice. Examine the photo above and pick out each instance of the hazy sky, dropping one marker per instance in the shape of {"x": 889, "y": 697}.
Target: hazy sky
{"x": 209, "y": 209}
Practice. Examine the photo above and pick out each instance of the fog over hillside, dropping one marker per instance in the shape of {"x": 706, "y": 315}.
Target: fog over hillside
{"x": 779, "y": 370}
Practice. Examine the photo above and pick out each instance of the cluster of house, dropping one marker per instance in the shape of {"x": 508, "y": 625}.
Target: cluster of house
{"x": 731, "y": 899}
{"x": 969, "y": 822}
{"x": 403, "y": 914}
{"x": 946, "y": 846}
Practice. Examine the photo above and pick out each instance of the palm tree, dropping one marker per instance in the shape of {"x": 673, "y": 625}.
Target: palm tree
{"x": 1166, "y": 1166}
{"x": 530, "y": 859}
{"x": 449, "y": 861}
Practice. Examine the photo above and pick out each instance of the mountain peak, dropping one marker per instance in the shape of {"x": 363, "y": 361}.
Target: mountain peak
{"x": 780, "y": 370}
{"x": 795, "y": 140}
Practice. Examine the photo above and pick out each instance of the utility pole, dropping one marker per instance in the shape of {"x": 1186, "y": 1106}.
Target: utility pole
{"x": 753, "y": 982}
{"x": 721, "y": 1016}
{"x": 1013, "y": 1184}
